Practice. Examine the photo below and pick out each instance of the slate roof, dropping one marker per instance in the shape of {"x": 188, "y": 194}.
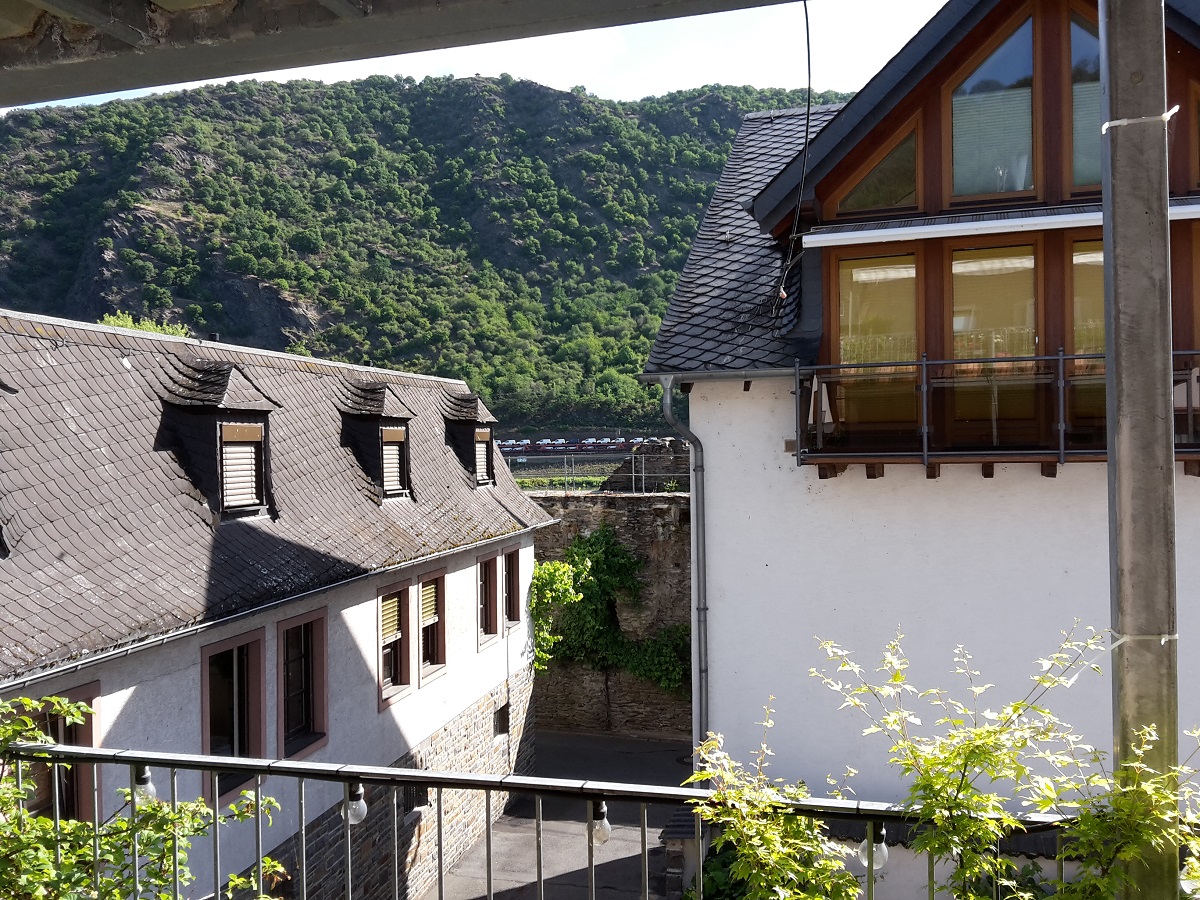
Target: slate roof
{"x": 726, "y": 312}
{"x": 106, "y": 540}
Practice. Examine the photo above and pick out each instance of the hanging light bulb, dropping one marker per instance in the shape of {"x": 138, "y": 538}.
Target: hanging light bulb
{"x": 144, "y": 790}
{"x": 878, "y": 851}
{"x": 598, "y": 824}
{"x": 354, "y": 807}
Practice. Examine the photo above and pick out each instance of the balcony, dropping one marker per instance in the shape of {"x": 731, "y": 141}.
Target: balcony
{"x": 375, "y": 855}
{"x": 1041, "y": 409}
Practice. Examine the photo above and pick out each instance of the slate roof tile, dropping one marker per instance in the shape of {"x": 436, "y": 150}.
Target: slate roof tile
{"x": 725, "y": 313}
{"x": 112, "y": 542}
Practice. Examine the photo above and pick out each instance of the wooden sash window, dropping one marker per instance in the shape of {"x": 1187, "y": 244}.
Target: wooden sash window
{"x": 433, "y": 625}
{"x": 394, "y": 669}
{"x": 488, "y": 624}
{"x": 395, "y": 460}
{"x": 483, "y": 455}
{"x": 241, "y": 466}
{"x": 512, "y": 586}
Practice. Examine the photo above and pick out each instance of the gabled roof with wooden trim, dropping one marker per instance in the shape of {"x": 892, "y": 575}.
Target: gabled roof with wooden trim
{"x": 106, "y": 539}
{"x": 776, "y": 200}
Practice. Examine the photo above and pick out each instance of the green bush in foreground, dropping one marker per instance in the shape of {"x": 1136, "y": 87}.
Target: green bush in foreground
{"x": 39, "y": 863}
{"x": 968, "y": 766}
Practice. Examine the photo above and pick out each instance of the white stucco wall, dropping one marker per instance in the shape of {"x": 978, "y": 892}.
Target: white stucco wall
{"x": 1000, "y": 565}
{"x": 150, "y": 699}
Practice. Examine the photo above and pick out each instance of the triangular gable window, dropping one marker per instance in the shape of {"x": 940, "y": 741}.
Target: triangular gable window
{"x": 891, "y": 184}
{"x": 992, "y": 112}
{"x": 1085, "y": 101}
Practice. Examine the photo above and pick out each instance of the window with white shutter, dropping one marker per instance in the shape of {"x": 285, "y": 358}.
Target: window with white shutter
{"x": 395, "y": 460}
{"x": 241, "y": 466}
{"x": 483, "y": 455}
{"x": 433, "y": 625}
{"x": 394, "y": 660}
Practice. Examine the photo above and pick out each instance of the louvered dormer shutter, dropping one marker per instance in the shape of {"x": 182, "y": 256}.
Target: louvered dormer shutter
{"x": 241, "y": 466}
{"x": 395, "y": 475}
{"x": 429, "y": 603}
{"x": 483, "y": 443}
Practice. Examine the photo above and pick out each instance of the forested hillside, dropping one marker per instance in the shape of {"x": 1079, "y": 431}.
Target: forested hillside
{"x": 524, "y": 239}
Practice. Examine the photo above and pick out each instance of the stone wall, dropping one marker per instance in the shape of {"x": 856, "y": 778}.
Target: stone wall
{"x": 467, "y": 743}
{"x": 657, "y": 529}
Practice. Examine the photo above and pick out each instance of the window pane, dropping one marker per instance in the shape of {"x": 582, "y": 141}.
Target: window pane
{"x": 1085, "y": 101}
{"x": 893, "y": 182}
{"x": 993, "y": 121}
{"x": 994, "y": 310}
{"x": 297, "y": 682}
{"x": 877, "y": 312}
{"x": 222, "y": 707}
{"x": 1087, "y": 275}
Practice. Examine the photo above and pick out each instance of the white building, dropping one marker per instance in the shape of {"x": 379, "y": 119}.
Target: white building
{"x": 850, "y": 489}
{"x": 246, "y": 553}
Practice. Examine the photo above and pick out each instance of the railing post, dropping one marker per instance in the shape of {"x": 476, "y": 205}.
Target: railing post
{"x": 537, "y": 819}
{"x": 174, "y": 835}
{"x": 487, "y": 825}
{"x": 95, "y": 825}
{"x": 819, "y": 417}
{"x": 591, "y": 848}
{"x": 133, "y": 831}
{"x": 925, "y": 409}
{"x": 870, "y": 845}
{"x": 441, "y": 848}
{"x": 1062, "y": 407}
{"x": 346, "y": 848}
{"x": 215, "y": 782}
{"x": 258, "y": 837}
{"x": 645, "y": 859}
{"x": 395, "y": 844}
{"x": 55, "y": 800}
{"x": 302, "y": 848}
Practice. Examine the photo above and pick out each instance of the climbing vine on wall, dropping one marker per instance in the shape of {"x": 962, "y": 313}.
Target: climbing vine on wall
{"x": 606, "y": 574}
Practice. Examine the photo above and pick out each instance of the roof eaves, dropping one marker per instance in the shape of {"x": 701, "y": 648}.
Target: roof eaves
{"x": 881, "y": 94}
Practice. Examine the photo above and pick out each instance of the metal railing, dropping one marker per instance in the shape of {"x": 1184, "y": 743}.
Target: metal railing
{"x": 635, "y": 473}
{"x": 1032, "y": 408}
{"x": 590, "y": 795}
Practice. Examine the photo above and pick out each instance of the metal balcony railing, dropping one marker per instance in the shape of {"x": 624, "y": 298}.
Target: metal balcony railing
{"x": 1047, "y": 409}
{"x": 864, "y": 815}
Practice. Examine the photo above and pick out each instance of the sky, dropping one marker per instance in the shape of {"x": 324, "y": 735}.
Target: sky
{"x": 763, "y": 47}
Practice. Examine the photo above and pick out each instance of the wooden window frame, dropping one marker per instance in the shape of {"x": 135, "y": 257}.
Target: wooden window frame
{"x": 487, "y": 590}
{"x": 1192, "y": 117}
{"x": 1067, "y": 168}
{"x": 83, "y": 777}
{"x": 831, "y": 208}
{"x": 833, "y": 260}
{"x": 388, "y": 437}
{"x": 512, "y": 586}
{"x": 489, "y": 476}
{"x": 428, "y": 670}
{"x": 318, "y": 736}
{"x": 1034, "y": 239}
{"x": 243, "y": 432}
{"x": 257, "y": 709}
{"x": 1071, "y": 237}
{"x": 391, "y": 691}
{"x": 1005, "y": 30}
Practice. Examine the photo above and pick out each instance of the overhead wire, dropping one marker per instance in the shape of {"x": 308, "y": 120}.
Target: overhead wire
{"x": 792, "y": 256}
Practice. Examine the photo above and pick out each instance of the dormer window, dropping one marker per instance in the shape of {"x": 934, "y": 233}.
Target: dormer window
{"x": 242, "y": 467}
{"x": 394, "y": 455}
{"x": 483, "y": 456}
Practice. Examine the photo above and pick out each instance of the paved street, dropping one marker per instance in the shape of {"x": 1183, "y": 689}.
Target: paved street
{"x": 564, "y": 840}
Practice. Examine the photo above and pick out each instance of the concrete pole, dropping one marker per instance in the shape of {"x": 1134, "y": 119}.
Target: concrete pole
{"x": 1141, "y": 464}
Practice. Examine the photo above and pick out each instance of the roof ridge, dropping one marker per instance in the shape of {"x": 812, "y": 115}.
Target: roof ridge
{"x": 155, "y": 337}
{"x": 791, "y": 111}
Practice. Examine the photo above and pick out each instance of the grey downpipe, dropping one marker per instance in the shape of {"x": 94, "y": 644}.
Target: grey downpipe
{"x": 700, "y": 569}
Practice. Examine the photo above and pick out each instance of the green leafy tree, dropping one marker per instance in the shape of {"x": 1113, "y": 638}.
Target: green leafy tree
{"x": 122, "y": 319}
{"x": 774, "y": 854}
{"x": 552, "y": 590}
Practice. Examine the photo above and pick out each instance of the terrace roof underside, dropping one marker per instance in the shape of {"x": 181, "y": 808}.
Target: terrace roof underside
{"x": 55, "y": 49}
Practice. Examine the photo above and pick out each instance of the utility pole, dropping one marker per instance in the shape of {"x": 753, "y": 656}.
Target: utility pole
{"x": 1141, "y": 459}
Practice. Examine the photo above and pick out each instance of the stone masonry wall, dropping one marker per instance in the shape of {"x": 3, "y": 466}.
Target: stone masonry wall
{"x": 657, "y": 529}
{"x": 465, "y": 744}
